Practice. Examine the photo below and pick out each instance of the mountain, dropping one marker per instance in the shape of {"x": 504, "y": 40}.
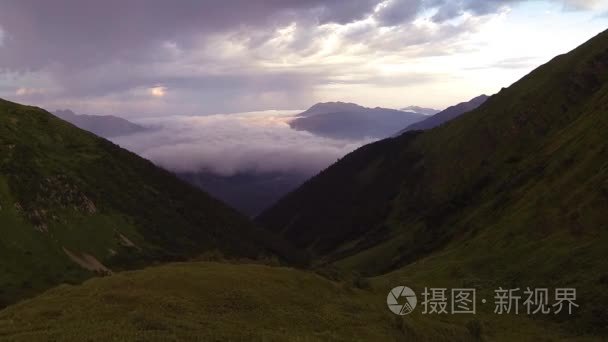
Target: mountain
{"x": 250, "y": 193}
{"x": 420, "y": 110}
{"x": 73, "y": 205}
{"x": 331, "y": 107}
{"x": 447, "y": 114}
{"x": 106, "y": 126}
{"x": 511, "y": 194}
{"x": 350, "y": 121}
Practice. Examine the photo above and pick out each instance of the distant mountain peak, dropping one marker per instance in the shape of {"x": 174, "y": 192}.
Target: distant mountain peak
{"x": 344, "y": 120}
{"x": 64, "y": 112}
{"x": 106, "y": 126}
{"x": 446, "y": 115}
{"x": 332, "y": 107}
{"x": 420, "y": 110}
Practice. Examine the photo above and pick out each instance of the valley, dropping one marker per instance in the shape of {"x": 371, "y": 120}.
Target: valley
{"x": 211, "y": 207}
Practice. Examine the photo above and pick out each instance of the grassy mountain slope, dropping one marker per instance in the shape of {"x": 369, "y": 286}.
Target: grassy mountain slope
{"x": 220, "y": 302}
{"x": 73, "y": 204}
{"x": 513, "y": 193}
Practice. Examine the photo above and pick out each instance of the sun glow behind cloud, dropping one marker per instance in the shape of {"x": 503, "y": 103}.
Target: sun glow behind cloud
{"x": 24, "y": 91}
{"x": 158, "y": 91}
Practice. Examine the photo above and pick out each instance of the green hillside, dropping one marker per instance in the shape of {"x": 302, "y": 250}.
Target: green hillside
{"x": 228, "y": 302}
{"x": 73, "y": 205}
{"x": 514, "y": 193}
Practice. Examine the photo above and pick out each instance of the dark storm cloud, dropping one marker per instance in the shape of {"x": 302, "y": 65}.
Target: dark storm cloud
{"x": 84, "y": 33}
{"x": 450, "y": 9}
{"x": 76, "y": 32}
{"x": 79, "y": 33}
{"x": 343, "y": 12}
{"x": 396, "y": 12}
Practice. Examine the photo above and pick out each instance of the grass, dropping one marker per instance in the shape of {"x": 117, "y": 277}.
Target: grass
{"x": 514, "y": 193}
{"x": 222, "y": 301}
{"x": 64, "y": 188}
{"x": 200, "y": 301}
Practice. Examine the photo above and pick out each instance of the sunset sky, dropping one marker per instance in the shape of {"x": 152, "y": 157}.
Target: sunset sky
{"x": 155, "y": 58}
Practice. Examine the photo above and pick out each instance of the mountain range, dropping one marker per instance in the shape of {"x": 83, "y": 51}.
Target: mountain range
{"x": 341, "y": 120}
{"x": 247, "y": 192}
{"x": 251, "y": 192}
{"x": 420, "y": 110}
{"x": 446, "y": 115}
{"x": 107, "y": 126}
{"x": 513, "y": 193}
{"x": 74, "y": 205}
{"x": 510, "y": 195}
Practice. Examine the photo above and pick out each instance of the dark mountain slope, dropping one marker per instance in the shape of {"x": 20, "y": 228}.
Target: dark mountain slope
{"x": 512, "y": 194}
{"x": 73, "y": 204}
{"x": 415, "y": 191}
{"x": 106, "y": 126}
{"x": 249, "y": 193}
{"x": 446, "y": 115}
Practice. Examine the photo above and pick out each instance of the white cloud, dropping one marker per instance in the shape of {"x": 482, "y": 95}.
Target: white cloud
{"x": 584, "y": 4}
{"x": 197, "y": 57}
{"x": 24, "y": 91}
{"x": 227, "y": 144}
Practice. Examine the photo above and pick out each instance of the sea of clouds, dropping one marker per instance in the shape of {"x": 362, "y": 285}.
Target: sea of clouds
{"x": 228, "y": 144}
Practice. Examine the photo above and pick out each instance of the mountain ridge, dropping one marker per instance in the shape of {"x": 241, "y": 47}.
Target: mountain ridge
{"x": 331, "y": 107}
{"x": 106, "y": 126}
{"x": 509, "y": 194}
{"x": 74, "y": 204}
{"x": 420, "y": 110}
{"x": 447, "y": 114}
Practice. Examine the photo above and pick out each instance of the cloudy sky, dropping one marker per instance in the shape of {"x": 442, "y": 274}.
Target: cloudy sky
{"x": 142, "y": 58}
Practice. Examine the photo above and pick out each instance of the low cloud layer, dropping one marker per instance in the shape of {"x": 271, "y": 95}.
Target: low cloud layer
{"x": 235, "y": 143}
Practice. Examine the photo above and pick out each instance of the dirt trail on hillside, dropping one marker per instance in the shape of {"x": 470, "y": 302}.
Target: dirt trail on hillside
{"x": 88, "y": 262}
